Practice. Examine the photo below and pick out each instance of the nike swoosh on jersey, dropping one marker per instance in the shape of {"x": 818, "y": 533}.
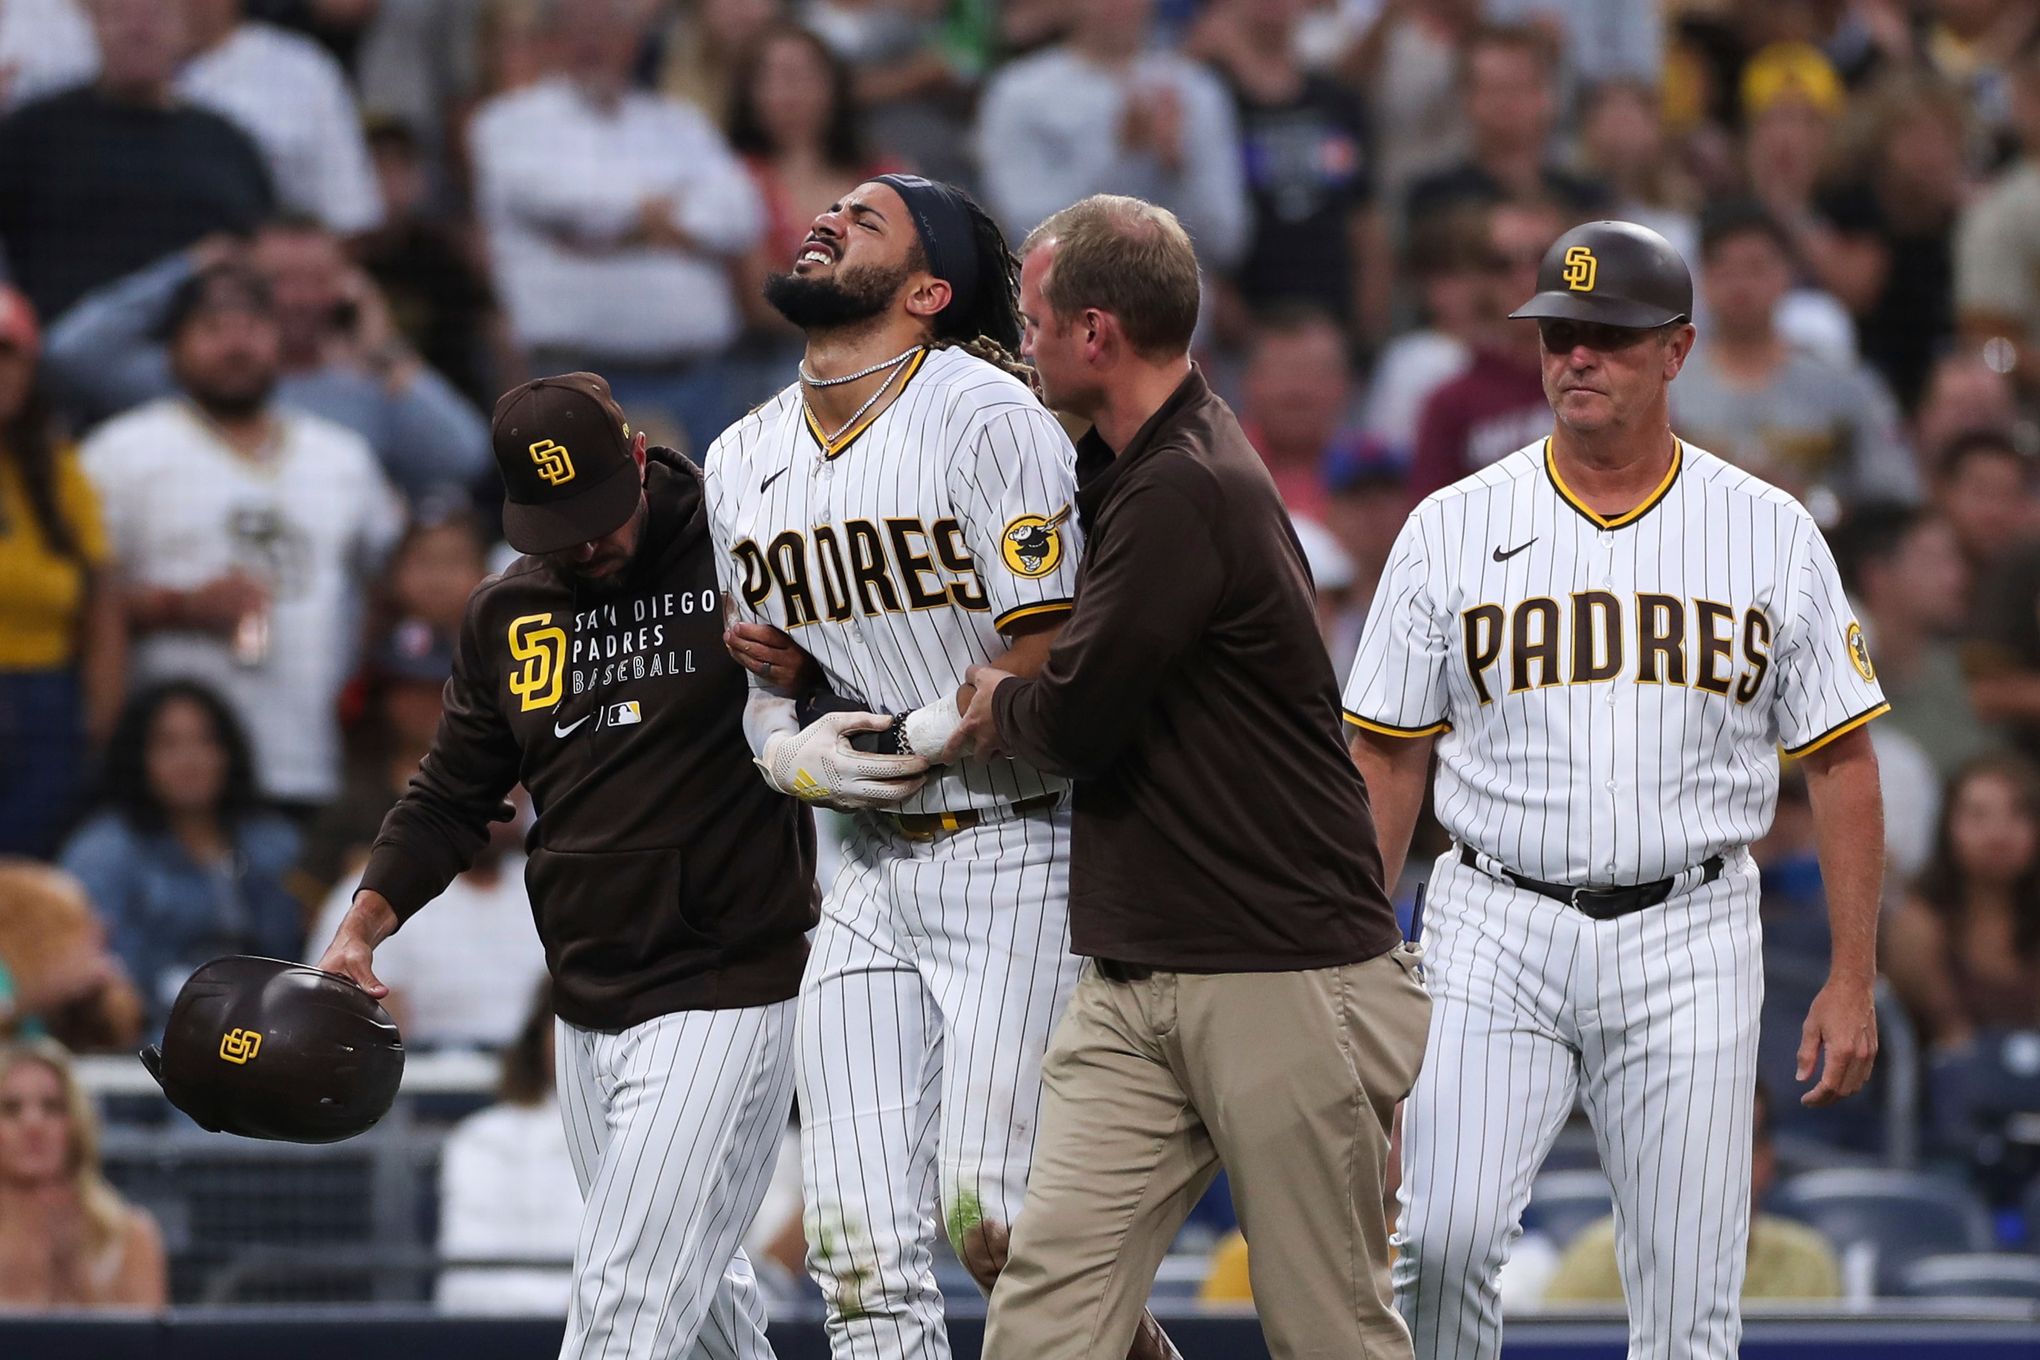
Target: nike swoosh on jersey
{"x": 559, "y": 731}
{"x": 1501, "y": 556}
{"x": 770, "y": 480}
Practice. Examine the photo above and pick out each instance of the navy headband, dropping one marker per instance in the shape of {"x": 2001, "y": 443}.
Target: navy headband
{"x": 942, "y": 220}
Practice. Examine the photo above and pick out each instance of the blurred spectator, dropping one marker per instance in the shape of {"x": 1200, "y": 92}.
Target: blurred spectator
{"x": 507, "y": 1189}
{"x": 1791, "y": 97}
{"x": 458, "y": 974}
{"x": 1331, "y": 579}
{"x": 243, "y": 532}
{"x": 1509, "y": 76}
{"x": 603, "y": 202}
{"x": 1601, "y": 40}
{"x": 1997, "y": 246}
{"x": 57, "y": 976}
{"x": 1904, "y": 569}
{"x": 1975, "y": 46}
{"x": 341, "y": 356}
{"x": 1105, "y": 113}
{"x": 1822, "y": 431}
{"x": 1963, "y": 952}
{"x": 1963, "y": 395}
{"x": 1317, "y": 236}
{"x": 1297, "y": 398}
{"x": 1366, "y": 501}
{"x": 180, "y": 856}
{"x": 337, "y": 25}
{"x": 706, "y": 43}
{"x": 1787, "y": 1260}
{"x": 1623, "y": 146}
{"x": 67, "y": 1239}
{"x": 794, "y": 120}
{"x": 287, "y": 93}
{"x": 1793, "y": 900}
{"x": 404, "y": 679}
{"x": 1407, "y": 60}
{"x": 1984, "y": 488}
{"x": 45, "y": 46}
{"x": 1450, "y": 265}
{"x": 437, "y": 564}
{"x": 420, "y": 65}
{"x": 102, "y": 179}
{"x": 913, "y": 97}
{"x": 1890, "y": 257}
{"x": 437, "y": 293}
{"x": 63, "y": 651}
{"x": 1497, "y": 405}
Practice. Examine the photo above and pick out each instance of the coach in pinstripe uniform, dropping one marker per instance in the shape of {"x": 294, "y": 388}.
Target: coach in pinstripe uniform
{"x": 1607, "y": 635}
{"x": 1249, "y": 999}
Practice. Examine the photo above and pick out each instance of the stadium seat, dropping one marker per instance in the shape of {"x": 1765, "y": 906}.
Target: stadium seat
{"x": 1897, "y": 1216}
{"x": 1980, "y": 1275}
{"x": 1564, "y": 1202}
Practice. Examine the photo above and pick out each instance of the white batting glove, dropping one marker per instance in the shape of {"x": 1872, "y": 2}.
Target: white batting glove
{"x": 819, "y": 765}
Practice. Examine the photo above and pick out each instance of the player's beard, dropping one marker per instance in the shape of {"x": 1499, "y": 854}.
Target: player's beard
{"x": 852, "y": 296}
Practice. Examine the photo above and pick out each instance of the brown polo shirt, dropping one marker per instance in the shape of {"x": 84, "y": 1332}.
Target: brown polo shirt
{"x": 1219, "y": 824}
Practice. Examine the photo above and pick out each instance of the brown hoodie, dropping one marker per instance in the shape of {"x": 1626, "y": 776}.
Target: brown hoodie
{"x": 664, "y": 874}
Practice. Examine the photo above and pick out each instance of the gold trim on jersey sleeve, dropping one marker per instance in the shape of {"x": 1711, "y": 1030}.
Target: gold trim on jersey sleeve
{"x": 1391, "y": 730}
{"x": 1842, "y": 729}
{"x": 1628, "y": 516}
{"x": 849, "y": 437}
{"x": 1028, "y": 611}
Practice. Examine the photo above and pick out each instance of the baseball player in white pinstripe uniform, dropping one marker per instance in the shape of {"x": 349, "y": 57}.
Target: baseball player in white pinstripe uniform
{"x": 903, "y": 512}
{"x": 1607, "y": 635}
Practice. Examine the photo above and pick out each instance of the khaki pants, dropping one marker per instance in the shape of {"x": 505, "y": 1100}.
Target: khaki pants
{"x": 1290, "y": 1080}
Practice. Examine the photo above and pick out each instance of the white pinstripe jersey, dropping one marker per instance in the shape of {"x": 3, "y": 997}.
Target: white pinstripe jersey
{"x": 897, "y": 552}
{"x": 1611, "y": 693}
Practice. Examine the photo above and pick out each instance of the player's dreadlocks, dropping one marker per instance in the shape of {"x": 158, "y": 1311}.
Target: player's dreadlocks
{"x": 990, "y": 328}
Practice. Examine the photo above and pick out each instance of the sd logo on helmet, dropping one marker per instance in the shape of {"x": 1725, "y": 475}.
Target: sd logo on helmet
{"x": 268, "y": 1049}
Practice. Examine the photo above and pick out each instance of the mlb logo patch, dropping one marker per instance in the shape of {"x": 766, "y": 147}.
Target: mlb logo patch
{"x": 625, "y": 714}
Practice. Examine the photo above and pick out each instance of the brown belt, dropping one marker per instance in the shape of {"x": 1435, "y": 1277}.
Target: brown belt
{"x": 926, "y": 826}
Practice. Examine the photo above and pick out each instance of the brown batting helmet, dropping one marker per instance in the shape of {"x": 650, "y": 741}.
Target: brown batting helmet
{"x": 269, "y": 1049}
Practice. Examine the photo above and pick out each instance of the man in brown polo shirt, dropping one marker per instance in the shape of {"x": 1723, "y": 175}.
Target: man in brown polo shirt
{"x": 1249, "y": 1001}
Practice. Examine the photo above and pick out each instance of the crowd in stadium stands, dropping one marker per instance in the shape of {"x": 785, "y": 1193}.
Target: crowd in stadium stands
{"x": 267, "y": 262}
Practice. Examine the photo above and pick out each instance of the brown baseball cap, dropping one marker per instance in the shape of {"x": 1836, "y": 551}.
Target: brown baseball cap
{"x": 564, "y": 449}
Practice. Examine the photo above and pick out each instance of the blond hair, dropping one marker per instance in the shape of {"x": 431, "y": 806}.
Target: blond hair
{"x": 105, "y": 1213}
{"x": 1127, "y": 257}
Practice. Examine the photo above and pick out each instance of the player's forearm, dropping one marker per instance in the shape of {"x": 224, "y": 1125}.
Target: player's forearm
{"x": 1394, "y": 770}
{"x": 1848, "y": 819}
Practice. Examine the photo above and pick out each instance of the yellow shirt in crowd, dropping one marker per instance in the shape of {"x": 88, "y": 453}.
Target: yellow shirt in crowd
{"x": 1787, "y": 1261}
{"x": 41, "y": 593}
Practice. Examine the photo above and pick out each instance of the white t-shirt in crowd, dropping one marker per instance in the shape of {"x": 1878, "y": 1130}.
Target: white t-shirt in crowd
{"x": 466, "y": 967}
{"x": 559, "y": 185}
{"x": 507, "y": 1192}
{"x": 291, "y": 97}
{"x": 313, "y": 518}
{"x": 45, "y": 46}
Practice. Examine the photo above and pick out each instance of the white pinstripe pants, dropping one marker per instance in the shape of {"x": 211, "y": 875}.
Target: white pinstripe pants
{"x": 673, "y": 1126}
{"x": 937, "y": 974}
{"x": 1651, "y": 1020}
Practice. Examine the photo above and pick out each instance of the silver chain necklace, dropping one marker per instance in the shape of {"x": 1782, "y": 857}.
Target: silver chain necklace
{"x": 811, "y": 380}
{"x": 898, "y": 364}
